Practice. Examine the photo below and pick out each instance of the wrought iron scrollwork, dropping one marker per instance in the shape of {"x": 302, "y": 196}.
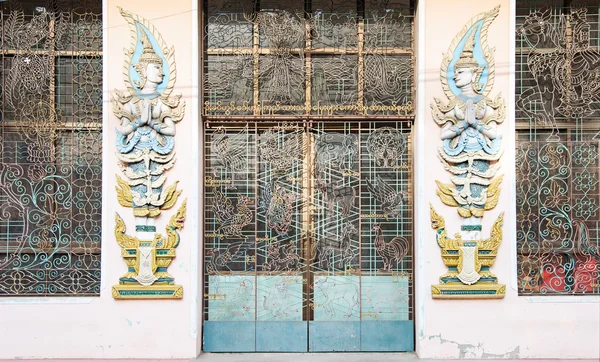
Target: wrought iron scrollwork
{"x": 50, "y": 141}
{"x": 558, "y": 232}
{"x": 558, "y": 202}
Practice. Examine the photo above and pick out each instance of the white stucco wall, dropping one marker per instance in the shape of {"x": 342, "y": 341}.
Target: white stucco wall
{"x": 513, "y": 327}
{"x": 101, "y": 327}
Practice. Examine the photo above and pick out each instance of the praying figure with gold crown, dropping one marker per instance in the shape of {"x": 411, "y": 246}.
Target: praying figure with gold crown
{"x": 145, "y": 141}
{"x": 470, "y": 151}
{"x": 471, "y": 142}
{"x": 145, "y": 136}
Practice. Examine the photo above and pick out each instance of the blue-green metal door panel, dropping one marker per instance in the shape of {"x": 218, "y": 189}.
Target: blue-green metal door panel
{"x": 281, "y": 336}
{"x": 334, "y": 337}
{"x": 382, "y": 336}
{"x": 317, "y": 261}
{"x": 229, "y": 336}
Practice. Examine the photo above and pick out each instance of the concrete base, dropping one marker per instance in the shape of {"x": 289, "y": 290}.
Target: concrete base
{"x": 300, "y": 357}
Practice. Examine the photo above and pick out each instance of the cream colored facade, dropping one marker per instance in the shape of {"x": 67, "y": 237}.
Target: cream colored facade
{"x": 102, "y": 327}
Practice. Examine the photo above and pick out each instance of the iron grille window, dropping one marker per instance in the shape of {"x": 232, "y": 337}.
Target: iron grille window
{"x": 558, "y": 139}
{"x": 50, "y": 147}
{"x": 311, "y": 59}
{"x": 308, "y": 113}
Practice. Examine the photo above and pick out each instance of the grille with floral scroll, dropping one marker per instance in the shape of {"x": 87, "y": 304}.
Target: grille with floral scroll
{"x": 558, "y": 140}
{"x": 50, "y": 146}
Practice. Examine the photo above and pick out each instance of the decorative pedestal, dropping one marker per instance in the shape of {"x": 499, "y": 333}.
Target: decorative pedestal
{"x": 147, "y": 262}
{"x": 459, "y": 291}
{"x": 162, "y": 288}
{"x": 468, "y": 262}
{"x": 149, "y": 292}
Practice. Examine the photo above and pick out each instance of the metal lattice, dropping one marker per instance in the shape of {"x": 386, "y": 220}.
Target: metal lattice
{"x": 558, "y": 140}
{"x": 308, "y": 218}
{"x": 50, "y": 141}
{"x": 293, "y": 210}
{"x": 320, "y": 58}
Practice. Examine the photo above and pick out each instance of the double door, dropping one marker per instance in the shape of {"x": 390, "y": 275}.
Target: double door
{"x": 308, "y": 237}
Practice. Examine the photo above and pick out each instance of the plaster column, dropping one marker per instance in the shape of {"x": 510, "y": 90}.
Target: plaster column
{"x": 101, "y": 327}
{"x": 515, "y": 326}
{"x": 157, "y": 328}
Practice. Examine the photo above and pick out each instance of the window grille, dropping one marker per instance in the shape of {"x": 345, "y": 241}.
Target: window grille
{"x": 558, "y": 139}
{"x": 50, "y": 147}
{"x": 313, "y": 59}
{"x": 307, "y": 115}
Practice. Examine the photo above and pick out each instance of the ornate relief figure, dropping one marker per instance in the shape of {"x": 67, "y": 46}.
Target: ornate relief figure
{"x": 470, "y": 151}
{"x": 145, "y": 142}
{"x": 471, "y": 143}
{"x": 145, "y": 137}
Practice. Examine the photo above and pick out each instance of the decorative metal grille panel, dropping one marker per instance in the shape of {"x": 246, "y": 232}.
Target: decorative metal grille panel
{"x": 50, "y": 142}
{"x": 310, "y": 59}
{"x": 558, "y": 217}
{"x": 308, "y": 222}
{"x": 558, "y": 139}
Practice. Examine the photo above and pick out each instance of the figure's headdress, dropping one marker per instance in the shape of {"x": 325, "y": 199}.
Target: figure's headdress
{"x": 148, "y": 56}
{"x": 466, "y": 55}
{"x": 148, "y": 53}
{"x": 467, "y": 60}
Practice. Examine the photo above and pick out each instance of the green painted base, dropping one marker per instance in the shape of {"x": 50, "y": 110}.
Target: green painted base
{"x": 150, "y": 292}
{"x": 463, "y": 291}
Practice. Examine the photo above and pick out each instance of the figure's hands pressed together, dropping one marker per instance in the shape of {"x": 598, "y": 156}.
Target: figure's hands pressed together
{"x": 470, "y": 114}
{"x": 146, "y": 115}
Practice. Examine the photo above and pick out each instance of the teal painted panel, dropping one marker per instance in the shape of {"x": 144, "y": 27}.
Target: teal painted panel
{"x": 231, "y": 298}
{"x": 334, "y": 336}
{"x": 229, "y": 336}
{"x": 279, "y": 298}
{"x": 336, "y": 298}
{"x": 281, "y": 336}
{"x": 387, "y": 336}
{"x": 385, "y": 298}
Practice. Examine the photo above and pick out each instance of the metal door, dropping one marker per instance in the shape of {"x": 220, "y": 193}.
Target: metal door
{"x": 308, "y": 237}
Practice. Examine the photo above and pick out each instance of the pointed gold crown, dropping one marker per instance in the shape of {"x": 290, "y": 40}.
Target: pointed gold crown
{"x": 148, "y": 53}
{"x": 466, "y": 55}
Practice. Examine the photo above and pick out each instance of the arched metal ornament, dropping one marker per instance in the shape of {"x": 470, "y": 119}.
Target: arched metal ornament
{"x": 145, "y": 143}
{"x": 470, "y": 152}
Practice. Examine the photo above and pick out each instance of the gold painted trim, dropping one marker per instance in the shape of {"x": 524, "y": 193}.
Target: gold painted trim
{"x": 151, "y": 292}
{"x": 124, "y": 195}
{"x": 437, "y": 291}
